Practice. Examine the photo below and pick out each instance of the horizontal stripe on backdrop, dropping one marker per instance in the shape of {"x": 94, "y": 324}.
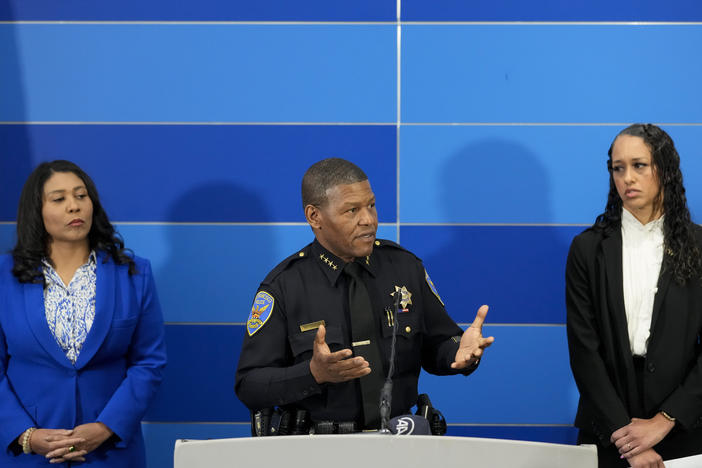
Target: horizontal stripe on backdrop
{"x": 199, "y": 173}
{"x": 205, "y": 73}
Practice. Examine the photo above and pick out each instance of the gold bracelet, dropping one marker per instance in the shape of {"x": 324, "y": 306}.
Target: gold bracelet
{"x": 667, "y": 416}
{"x": 26, "y": 440}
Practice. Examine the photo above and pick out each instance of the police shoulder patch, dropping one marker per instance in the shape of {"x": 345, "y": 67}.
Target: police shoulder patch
{"x": 432, "y": 287}
{"x": 260, "y": 312}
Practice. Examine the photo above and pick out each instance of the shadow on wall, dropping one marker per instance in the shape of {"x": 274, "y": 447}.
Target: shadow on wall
{"x": 519, "y": 271}
{"x": 499, "y": 182}
{"x": 214, "y": 258}
{"x": 204, "y": 281}
{"x": 15, "y": 144}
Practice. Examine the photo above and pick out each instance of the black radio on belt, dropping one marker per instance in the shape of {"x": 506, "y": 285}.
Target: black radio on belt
{"x": 280, "y": 421}
{"x": 437, "y": 423}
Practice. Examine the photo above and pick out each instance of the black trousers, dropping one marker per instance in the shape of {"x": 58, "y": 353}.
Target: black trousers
{"x": 677, "y": 444}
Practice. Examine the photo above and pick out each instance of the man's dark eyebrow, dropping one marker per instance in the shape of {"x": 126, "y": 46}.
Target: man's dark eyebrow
{"x": 356, "y": 203}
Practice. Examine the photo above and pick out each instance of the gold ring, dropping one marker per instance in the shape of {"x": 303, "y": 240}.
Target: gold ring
{"x": 72, "y": 448}
{"x": 628, "y": 446}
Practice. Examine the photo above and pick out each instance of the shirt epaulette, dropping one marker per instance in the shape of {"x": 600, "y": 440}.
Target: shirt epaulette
{"x": 381, "y": 243}
{"x": 282, "y": 266}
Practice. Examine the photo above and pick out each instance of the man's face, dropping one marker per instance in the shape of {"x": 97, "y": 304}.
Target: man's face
{"x": 347, "y": 223}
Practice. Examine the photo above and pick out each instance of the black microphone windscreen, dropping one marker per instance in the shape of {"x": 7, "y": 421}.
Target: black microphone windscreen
{"x": 409, "y": 424}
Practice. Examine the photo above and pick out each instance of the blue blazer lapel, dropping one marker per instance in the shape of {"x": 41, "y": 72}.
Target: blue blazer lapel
{"x": 104, "y": 309}
{"x": 36, "y": 316}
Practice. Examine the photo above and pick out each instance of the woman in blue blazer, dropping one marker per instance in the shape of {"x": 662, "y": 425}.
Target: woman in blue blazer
{"x": 81, "y": 333}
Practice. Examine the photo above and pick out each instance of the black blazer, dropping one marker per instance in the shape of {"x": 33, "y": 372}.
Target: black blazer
{"x": 600, "y": 356}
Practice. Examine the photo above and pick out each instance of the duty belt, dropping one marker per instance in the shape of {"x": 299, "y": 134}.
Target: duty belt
{"x": 336, "y": 427}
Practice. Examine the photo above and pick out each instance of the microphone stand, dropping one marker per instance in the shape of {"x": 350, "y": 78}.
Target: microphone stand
{"x": 386, "y": 392}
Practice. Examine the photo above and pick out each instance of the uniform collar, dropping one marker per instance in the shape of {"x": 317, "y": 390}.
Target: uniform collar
{"x": 333, "y": 266}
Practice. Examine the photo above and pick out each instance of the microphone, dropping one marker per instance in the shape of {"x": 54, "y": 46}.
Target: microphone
{"x": 386, "y": 391}
{"x": 385, "y": 405}
{"x": 409, "y": 424}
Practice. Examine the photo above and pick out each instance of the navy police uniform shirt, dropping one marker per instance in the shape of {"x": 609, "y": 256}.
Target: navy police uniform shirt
{"x": 308, "y": 289}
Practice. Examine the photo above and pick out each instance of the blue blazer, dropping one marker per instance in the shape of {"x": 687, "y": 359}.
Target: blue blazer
{"x": 115, "y": 377}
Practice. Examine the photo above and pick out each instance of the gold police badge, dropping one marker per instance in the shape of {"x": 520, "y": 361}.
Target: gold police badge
{"x": 405, "y": 296}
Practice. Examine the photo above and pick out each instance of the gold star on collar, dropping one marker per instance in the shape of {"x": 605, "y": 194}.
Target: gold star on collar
{"x": 405, "y": 296}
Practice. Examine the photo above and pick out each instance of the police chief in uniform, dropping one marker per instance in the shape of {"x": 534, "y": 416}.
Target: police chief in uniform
{"x": 321, "y": 326}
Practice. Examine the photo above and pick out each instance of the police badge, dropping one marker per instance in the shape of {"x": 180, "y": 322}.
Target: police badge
{"x": 405, "y": 297}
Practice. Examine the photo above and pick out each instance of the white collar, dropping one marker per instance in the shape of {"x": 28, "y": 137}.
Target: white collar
{"x": 629, "y": 222}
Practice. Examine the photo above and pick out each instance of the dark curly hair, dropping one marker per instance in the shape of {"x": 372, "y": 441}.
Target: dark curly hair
{"x": 682, "y": 255}
{"x": 32, "y": 238}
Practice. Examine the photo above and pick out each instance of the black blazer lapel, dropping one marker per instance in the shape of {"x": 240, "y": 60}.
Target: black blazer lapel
{"x": 663, "y": 283}
{"x": 612, "y": 249}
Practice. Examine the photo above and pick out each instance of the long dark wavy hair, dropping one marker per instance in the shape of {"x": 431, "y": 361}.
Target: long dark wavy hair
{"x": 682, "y": 255}
{"x": 33, "y": 240}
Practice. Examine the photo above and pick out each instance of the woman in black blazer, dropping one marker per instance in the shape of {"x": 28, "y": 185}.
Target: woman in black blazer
{"x": 634, "y": 302}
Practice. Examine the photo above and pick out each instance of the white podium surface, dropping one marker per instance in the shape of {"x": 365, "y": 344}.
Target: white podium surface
{"x": 687, "y": 462}
{"x": 371, "y": 450}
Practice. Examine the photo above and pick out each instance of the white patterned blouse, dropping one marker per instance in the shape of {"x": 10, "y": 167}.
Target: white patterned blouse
{"x": 70, "y": 310}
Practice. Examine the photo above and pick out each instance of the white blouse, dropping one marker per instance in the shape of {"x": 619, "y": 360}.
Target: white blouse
{"x": 70, "y": 310}
{"x": 642, "y": 255}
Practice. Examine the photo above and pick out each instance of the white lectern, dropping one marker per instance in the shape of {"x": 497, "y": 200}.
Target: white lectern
{"x": 371, "y": 450}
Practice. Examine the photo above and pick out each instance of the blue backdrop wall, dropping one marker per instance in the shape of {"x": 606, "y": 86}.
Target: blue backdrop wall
{"x": 482, "y": 125}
